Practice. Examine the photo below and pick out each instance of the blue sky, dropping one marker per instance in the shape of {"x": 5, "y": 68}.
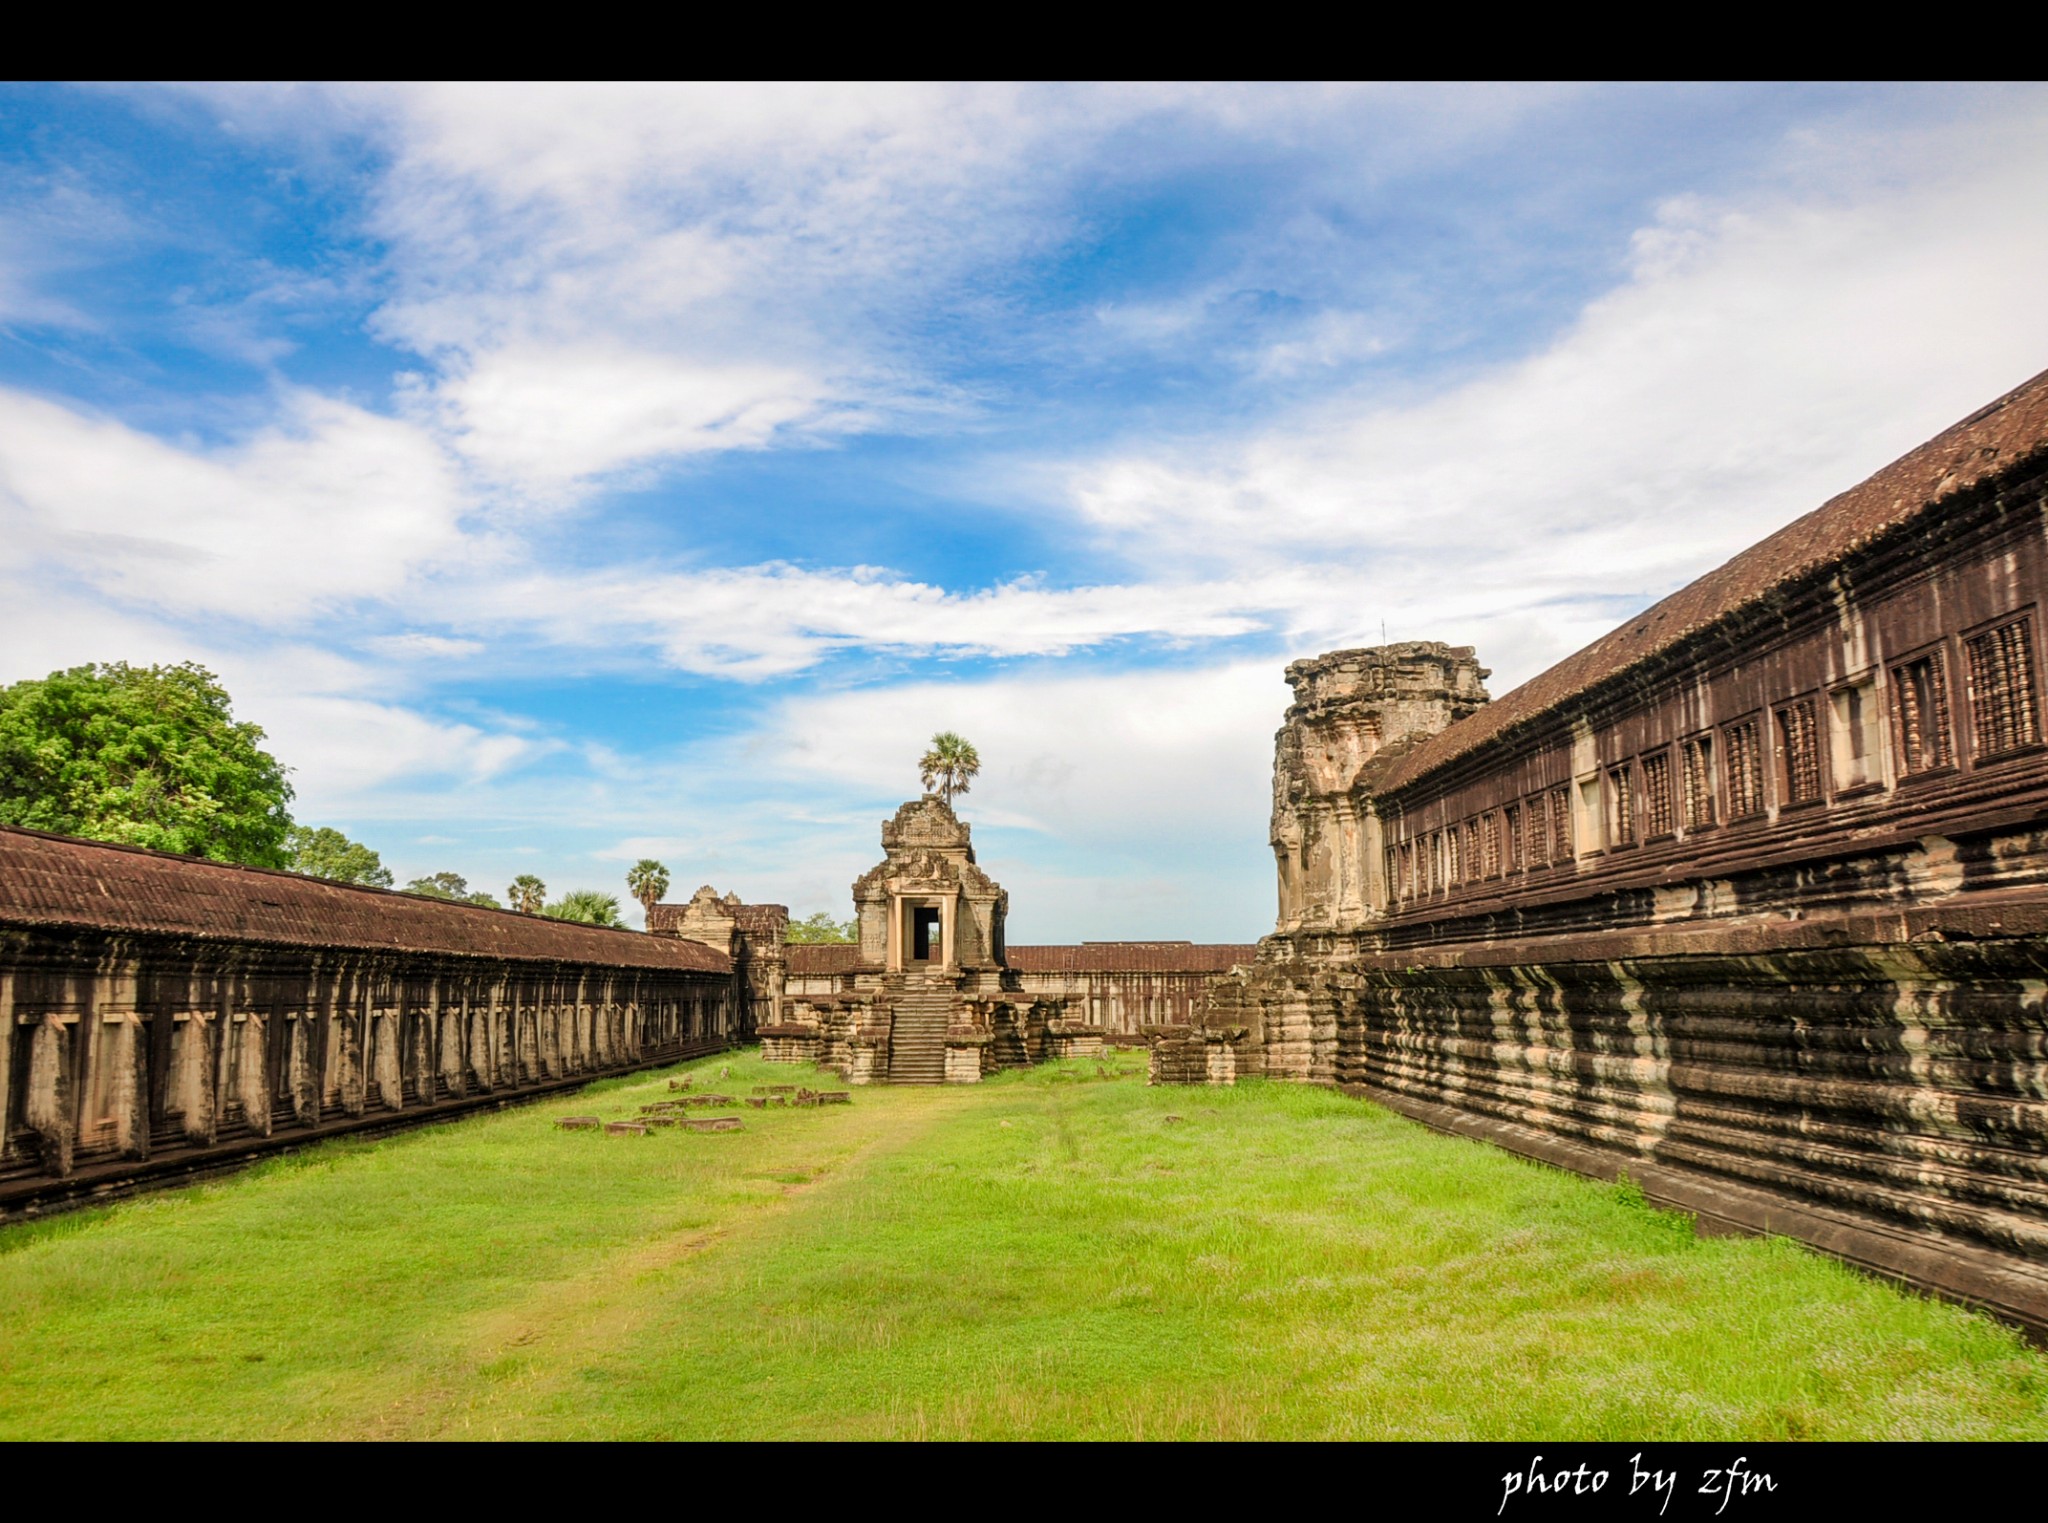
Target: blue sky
{"x": 568, "y": 475}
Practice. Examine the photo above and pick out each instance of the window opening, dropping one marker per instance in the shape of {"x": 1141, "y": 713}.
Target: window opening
{"x": 1622, "y": 811}
{"x": 1698, "y": 758}
{"x": 2002, "y": 710}
{"x": 1658, "y": 817}
{"x": 1920, "y": 714}
{"x": 1799, "y": 747}
{"x": 1745, "y": 769}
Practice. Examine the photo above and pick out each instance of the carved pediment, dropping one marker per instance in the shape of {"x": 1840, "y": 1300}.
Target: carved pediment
{"x": 926, "y": 822}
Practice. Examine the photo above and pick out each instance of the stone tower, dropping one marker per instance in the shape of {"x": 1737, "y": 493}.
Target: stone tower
{"x": 1353, "y": 712}
{"x": 926, "y": 907}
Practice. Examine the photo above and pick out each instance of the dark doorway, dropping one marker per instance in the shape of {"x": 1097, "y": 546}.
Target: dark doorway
{"x": 924, "y": 933}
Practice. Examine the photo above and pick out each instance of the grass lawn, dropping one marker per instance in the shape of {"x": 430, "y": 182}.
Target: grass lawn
{"x": 1051, "y": 1254}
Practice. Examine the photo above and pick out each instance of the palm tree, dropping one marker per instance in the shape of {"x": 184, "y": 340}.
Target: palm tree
{"x": 592, "y": 906}
{"x": 949, "y": 765}
{"x": 649, "y": 881}
{"x": 527, "y": 894}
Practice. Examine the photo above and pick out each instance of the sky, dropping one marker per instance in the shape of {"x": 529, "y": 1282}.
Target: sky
{"x": 567, "y": 475}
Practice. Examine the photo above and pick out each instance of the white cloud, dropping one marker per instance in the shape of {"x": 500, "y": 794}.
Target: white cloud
{"x": 329, "y": 505}
{"x": 764, "y": 621}
{"x": 414, "y": 645}
{"x": 1759, "y": 358}
{"x": 545, "y": 418}
{"x": 605, "y": 276}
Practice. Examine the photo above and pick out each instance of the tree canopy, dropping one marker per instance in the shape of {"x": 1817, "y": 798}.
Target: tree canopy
{"x": 648, "y": 880}
{"x": 326, "y": 853}
{"x": 822, "y": 929}
{"x": 950, "y": 765}
{"x": 145, "y": 756}
{"x": 526, "y": 894}
{"x": 451, "y": 886}
{"x": 592, "y": 906}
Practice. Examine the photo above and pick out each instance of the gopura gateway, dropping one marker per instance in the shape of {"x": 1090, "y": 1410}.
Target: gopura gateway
{"x": 1746, "y": 898}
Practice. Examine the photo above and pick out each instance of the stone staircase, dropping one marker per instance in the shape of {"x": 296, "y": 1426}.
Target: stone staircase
{"x": 923, "y": 1008}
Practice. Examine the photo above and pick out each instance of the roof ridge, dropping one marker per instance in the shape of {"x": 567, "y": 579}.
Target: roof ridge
{"x": 1917, "y": 483}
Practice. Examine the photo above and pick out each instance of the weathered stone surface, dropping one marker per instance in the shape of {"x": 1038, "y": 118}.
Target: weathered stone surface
{"x": 579, "y": 1123}
{"x": 626, "y": 1128}
{"x": 165, "y": 1014}
{"x": 713, "y": 1124}
{"x": 1750, "y": 896}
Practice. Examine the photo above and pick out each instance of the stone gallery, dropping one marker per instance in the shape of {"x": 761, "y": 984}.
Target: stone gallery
{"x": 929, "y": 993}
{"x": 166, "y": 1016}
{"x": 1745, "y": 899}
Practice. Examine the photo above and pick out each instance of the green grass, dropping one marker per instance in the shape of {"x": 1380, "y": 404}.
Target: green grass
{"x": 1050, "y": 1254}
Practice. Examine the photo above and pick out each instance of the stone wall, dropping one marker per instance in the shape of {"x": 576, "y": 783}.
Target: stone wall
{"x": 163, "y": 1015}
{"x": 1748, "y": 899}
{"x": 1122, "y": 987}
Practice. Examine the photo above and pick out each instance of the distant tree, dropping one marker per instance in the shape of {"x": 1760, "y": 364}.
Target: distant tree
{"x": 451, "y": 886}
{"x": 592, "y": 906}
{"x": 950, "y": 765}
{"x": 143, "y": 755}
{"x": 822, "y": 929}
{"x": 325, "y": 853}
{"x": 527, "y": 894}
{"x": 648, "y": 881}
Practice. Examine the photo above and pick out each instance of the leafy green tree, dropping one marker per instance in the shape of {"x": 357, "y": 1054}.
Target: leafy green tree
{"x": 648, "y": 881}
{"x": 527, "y": 894}
{"x": 822, "y": 929}
{"x": 592, "y": 906}
{"x": 451, "y": 886}
{"x": 142, "y": 755}
{"x": 950, "y": 765}
{"x": 326, "y": 853}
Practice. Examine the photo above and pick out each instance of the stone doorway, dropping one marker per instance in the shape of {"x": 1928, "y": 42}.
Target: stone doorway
{"x": 925, "y": 933}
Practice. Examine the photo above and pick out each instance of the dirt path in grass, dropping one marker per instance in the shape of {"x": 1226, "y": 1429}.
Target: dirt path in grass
{"x": 508, "y": 1359}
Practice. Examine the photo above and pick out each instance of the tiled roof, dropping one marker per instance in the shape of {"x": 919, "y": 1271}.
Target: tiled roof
{"x": 49, "y": 880}
{"x": 1132, "y": 957}
{"x": 761, "y": 917}
{"x": 752, "y": 918}
{"x": 1992, "y": 440}
{"x": 822, "y": 957}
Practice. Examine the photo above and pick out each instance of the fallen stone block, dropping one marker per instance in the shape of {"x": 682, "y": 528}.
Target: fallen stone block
{"x": 695, "y": 1101}
{"x": 758, "y": 1102}
{"x": 578, "y": 1123}
{"x": 834, "y": 1097}
{"x": 682, "y": 1083}
{"x": 626, "y": 1128}
{"x": 713, "y": 1124}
